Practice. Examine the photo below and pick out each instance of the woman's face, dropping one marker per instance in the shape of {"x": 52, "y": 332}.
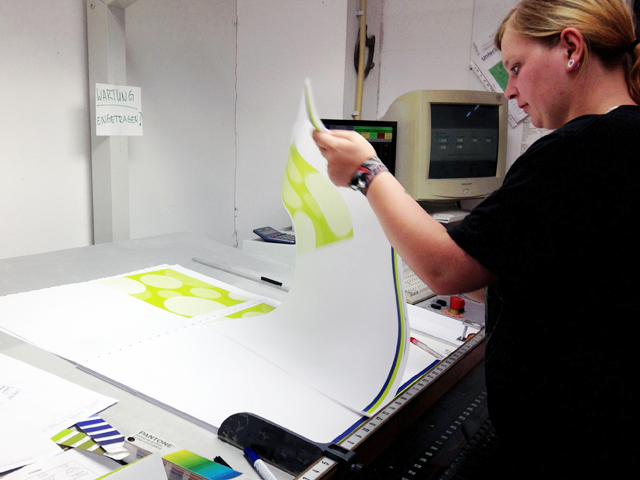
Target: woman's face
{"x": 537, "y": 79}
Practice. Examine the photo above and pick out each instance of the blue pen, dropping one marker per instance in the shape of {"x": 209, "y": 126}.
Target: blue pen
{"x": 258, "y": 464}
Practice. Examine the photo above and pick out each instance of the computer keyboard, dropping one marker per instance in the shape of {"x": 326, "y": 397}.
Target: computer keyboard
{"x": 415, "y": 289}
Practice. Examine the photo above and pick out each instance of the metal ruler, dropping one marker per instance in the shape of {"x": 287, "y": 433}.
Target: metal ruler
{"x": 239, "y": 273}
{"x": 324, "y": 464}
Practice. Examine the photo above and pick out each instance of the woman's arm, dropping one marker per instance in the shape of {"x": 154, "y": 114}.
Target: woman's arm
{"x": 422, "y": 242}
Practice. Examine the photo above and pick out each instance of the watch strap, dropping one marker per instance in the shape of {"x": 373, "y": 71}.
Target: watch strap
{"x": 365, "y": 174}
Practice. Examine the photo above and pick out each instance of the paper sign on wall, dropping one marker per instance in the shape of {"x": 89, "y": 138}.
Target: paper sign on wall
{"x": 118, "y": 110}
{"x": 486, "y": 63}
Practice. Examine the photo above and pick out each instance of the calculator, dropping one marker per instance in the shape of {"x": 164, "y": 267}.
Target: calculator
{"x": 269, "y": 234}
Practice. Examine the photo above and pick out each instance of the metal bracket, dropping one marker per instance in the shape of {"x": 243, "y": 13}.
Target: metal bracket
{"x": 370, "y": 44}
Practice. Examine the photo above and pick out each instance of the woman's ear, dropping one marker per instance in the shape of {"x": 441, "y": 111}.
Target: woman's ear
{"x": 572, "y": 43}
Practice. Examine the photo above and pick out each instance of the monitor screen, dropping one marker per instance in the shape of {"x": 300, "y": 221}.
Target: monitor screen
{"x": 464, "y": 141}
{"x": 381, "y": 135}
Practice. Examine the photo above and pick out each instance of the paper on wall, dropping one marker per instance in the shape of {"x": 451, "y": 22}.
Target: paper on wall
{"x": 486, "y": 63}
{"x": 118, "y": 110}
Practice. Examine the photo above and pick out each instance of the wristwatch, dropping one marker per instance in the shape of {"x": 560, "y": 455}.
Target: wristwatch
{"x": 365, "y": 173}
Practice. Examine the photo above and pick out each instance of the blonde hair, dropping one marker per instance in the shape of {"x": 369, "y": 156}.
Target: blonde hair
{"x": 607, "y": 27}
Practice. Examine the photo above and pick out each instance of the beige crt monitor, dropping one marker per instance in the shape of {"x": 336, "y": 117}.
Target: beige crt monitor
{"x": 452, "y": 144}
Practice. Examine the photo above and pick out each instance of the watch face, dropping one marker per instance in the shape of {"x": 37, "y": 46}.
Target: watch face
{"x": 365, "y": 173}
{"x": 359, "y": 180}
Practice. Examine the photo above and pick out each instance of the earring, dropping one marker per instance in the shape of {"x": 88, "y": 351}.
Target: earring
{"x": 571, "y": 62}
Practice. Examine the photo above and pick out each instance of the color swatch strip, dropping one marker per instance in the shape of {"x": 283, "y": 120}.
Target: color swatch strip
{"x": 180, "y": 465}
{"x": 75, "y": 439}
{"x": 100, "y": 431}
{"x": 105, "y": 435}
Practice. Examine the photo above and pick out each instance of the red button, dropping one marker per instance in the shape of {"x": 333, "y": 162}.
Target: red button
{"x": 456, "y": 304}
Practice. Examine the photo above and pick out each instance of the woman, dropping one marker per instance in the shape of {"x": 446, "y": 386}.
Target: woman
{"x": 555, "y": 244}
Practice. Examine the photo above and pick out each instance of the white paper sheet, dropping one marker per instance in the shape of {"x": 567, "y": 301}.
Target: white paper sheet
{"x": 342, "y": 327}
{"x": 118, "y": 110}
{"x": 86, "y": 320}
{"x": 208, "y": 377}
{"x": 49, "y": 402}
{"x": 147, "y": 468}
{"x": 220, "y": 378}
{"x": 69, "y": 465}
{"x": 21, "y": 443}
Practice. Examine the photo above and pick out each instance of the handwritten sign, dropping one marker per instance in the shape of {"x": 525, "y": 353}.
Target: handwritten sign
{"x": 118, "y": 110}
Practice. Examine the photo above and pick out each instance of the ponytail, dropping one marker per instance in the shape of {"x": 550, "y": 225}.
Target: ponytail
{"x": 633, "y": 75}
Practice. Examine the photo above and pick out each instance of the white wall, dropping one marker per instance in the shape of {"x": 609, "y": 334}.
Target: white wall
{"x": 428, "y": 45}
{"x": 182, "y": 170}
{"x": 45, "y": 193}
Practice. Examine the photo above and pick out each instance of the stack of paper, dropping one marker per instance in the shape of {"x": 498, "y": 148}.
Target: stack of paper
{"x": 35, "y": 405}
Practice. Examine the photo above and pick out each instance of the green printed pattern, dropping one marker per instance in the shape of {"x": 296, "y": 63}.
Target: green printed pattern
{"x": 175, "y": 292}
{"x": 76, "y": 439}
{"x": 402, "y": 323}
{"x": 320, "y": 215}
{"x": 254, "y": 311}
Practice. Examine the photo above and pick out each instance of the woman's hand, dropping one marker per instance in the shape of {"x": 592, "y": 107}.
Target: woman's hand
{"x": 345, "y": 151}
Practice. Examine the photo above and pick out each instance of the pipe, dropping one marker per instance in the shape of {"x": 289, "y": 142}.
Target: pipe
{"x": 363, "y": 45}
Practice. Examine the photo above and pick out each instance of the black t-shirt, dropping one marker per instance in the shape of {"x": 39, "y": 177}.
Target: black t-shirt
{"x": 562, "y": 356}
